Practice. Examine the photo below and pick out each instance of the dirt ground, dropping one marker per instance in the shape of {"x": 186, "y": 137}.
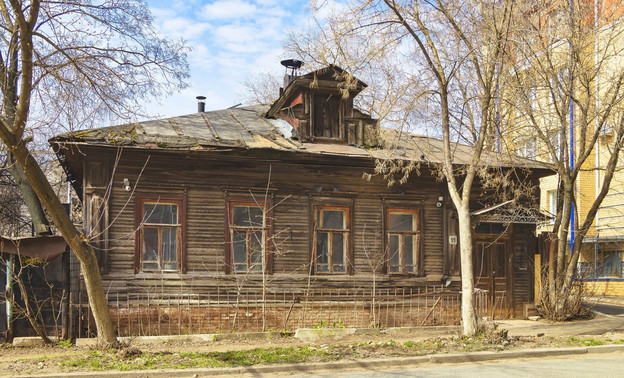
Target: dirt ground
{"x": 50, "y": 360}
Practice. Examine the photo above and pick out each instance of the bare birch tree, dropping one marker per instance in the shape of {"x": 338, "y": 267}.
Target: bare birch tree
{"x": 74, "y": 62}
{"x": 439, "y": 64}
{"x": 567, "y": 84}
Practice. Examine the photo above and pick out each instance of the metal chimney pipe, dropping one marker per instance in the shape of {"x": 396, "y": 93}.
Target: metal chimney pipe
{"x": 201, "y": 104}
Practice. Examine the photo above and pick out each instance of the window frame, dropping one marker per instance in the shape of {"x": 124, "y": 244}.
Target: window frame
{"x": 345, "y": 232}
{"x": 527, "y": 148}
{"x": 554, "y": 138}
{"x": 552, "y": 203}
{"x": 232, "y": 202}
{"x": 417, "y": 244}
{"x": 180, "y": 202}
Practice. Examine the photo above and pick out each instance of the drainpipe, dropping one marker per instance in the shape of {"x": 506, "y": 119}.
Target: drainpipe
{"x": 498, "y": 136}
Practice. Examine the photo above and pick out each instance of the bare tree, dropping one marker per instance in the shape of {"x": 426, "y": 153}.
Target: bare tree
{"x": 438, "y": 67}
{"x": 261, "y": 89}
{"x": 567, "y": 86}
{"x": 73, "y": 62}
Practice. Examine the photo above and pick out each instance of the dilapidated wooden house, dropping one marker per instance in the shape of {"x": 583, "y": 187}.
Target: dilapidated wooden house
{"x": 273, "y": 216}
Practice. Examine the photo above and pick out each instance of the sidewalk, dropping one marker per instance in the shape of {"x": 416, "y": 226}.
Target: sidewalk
{"x": 597, "y": 299}
{"x": 600, "y": 325}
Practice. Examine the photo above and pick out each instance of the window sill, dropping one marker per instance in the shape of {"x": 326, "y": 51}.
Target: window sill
{"x": 152, "y": 274}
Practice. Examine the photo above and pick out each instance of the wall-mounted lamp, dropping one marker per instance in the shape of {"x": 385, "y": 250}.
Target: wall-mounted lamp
{"x": 126, "y": 185}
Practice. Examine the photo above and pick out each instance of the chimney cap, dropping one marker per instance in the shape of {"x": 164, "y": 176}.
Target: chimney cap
{"x": 294, "y": 64}
{"x": 201, "y": 104}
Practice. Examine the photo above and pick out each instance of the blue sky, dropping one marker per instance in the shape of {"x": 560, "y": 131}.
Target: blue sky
{"x": 231, "y": 40}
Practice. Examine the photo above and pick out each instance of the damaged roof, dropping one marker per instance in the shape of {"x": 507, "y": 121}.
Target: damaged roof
{"x": 247, "y": 128}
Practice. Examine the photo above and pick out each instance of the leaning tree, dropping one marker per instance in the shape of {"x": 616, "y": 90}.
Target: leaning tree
{"x": 76, "y": 62}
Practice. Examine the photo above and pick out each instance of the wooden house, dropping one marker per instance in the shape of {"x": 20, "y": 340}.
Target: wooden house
{"x": 282, "y": 204}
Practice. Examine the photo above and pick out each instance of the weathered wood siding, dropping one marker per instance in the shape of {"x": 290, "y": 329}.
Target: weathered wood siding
{"x": 207, "y": 178}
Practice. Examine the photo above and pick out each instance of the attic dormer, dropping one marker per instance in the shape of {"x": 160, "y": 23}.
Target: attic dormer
{"x": 319, "y": 105}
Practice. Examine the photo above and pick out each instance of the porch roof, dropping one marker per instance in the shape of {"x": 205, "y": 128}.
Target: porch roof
{"x": 41, "y": 247}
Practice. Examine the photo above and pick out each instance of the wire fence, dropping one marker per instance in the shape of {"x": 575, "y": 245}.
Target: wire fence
{"x": 147, "y": 314}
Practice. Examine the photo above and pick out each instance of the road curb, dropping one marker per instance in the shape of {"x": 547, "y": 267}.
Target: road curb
{"x": 371, "y": 364}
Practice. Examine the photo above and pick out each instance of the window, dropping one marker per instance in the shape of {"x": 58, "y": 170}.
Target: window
{"x": 331, "y": 239}
{"x": 609, "y": 264}
{"x": 554, "y": 138}
{"x": 403, "y": 240}
{"x": 532, "y": 98}
{"x": 248, "y": 236}
{"x": 526, "y": 148}
{"x": 552, "y": 204}
{"x": 160, "y": 237}
{"x": 248, "y": 230}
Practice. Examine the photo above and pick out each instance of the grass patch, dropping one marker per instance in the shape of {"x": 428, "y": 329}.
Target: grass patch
{"x": 97, "y": 360}
{"x": 584, "y": 342}
{"x": 65, "y": 344}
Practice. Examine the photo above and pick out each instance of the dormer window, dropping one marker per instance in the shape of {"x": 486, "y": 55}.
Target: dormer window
{"x": 318, "y": 108}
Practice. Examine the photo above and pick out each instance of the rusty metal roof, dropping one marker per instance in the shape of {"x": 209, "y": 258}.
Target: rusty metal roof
{"x": 248, "y": 128}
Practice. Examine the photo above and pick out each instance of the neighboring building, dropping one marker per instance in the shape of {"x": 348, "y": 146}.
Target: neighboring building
{"x": 45, "y": 276}
{"x": 602, "y": 256}
{"x": 265, "y": 205}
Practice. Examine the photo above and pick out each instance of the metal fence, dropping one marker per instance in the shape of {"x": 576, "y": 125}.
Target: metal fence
{"x": 145, "y": 314}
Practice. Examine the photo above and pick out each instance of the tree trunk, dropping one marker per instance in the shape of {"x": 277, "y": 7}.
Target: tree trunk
{"x": 469, "y": 316}
{"x": 75, "y": 239}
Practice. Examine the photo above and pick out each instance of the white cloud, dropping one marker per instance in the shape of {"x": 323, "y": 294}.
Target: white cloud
{"x": 331, "y": 8}
{"x": 269, "y": 61}
{"x": 225, "y": 9}
{"x": 200, "y": 56}
{"x": 231, "y": 40}
{"x": 270, "y": 2}
{"x": 180, "y": 27}
{"x": 241, "y": 39}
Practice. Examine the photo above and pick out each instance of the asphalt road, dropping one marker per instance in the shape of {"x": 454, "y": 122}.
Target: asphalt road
{"x": 582, "y": 366}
